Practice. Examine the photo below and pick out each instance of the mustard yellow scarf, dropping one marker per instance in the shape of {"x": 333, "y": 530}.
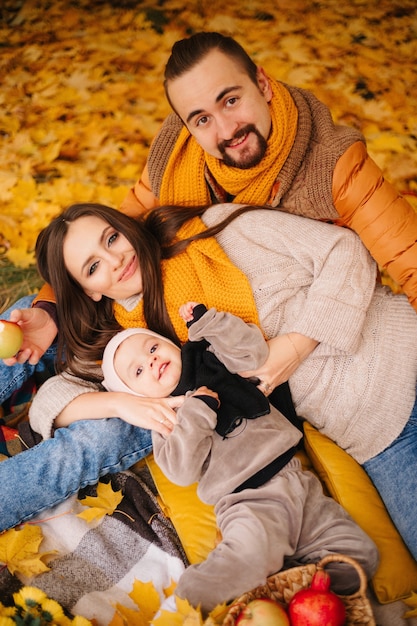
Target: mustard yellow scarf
{"x": 183, "y": 181}
{"x": 202, "y": 273}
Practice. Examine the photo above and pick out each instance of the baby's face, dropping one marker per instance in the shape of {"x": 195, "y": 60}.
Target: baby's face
{"x": 148, "y": 365}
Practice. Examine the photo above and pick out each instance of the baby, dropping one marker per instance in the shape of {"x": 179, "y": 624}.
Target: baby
{"x": 241, "y": 450}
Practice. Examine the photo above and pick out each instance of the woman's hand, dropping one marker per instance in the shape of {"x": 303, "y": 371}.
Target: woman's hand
{"x": 286, "y": 352}
{"x": 151, "y": 413}
{"x": 39, "y": 332}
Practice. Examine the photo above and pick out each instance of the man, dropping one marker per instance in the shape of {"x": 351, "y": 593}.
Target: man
{"x": 238, "y": 135}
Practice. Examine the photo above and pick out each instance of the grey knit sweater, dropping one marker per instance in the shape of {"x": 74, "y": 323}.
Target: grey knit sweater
{"x": 359, "y": 385}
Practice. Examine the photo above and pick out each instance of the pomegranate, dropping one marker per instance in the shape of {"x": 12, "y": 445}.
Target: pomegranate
{"x": 317, "y": 605}
{"x": 263, "y": 612}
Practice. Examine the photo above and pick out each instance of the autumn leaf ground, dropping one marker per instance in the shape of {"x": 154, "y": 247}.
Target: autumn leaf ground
{"x": 81, "y": 93}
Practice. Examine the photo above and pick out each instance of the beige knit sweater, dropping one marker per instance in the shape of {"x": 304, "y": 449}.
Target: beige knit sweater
{"x": 359, "y": 384}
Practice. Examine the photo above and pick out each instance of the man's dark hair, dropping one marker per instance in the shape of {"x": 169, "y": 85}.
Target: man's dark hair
{"x": 186, "y": 53}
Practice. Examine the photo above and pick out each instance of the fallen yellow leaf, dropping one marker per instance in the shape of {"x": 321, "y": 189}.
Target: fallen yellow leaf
{"x": 186, "y": 615}
{"x": 105, "y": 503}
{"x": 147, "y": 598}
{"x": 168, "y": 591}
{"x": 166, "y": 618}
{"x": 128, "y": 617}
{"x": 19, "y": 551}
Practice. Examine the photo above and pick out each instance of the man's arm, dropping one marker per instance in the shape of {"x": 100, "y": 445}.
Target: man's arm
{"x": 383, "y": 219}
{"x": 140, "y": 198}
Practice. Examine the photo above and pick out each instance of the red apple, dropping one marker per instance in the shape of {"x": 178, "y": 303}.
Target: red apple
{"x": 317, "y": 605}
{"x": 263, "y": 612}
{"x": 11, "y": 337}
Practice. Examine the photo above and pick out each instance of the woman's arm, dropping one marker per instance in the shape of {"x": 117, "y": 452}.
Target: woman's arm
{"x": 286, "y": 353}
{"x": 242, "y": 348}
{"x": 64, "y": 399}
{"x": 153, "y": 414}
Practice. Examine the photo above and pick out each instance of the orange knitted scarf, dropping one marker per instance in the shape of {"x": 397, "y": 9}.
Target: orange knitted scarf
{"x": 202, "y": 273}
{"x": 184, "y": 183}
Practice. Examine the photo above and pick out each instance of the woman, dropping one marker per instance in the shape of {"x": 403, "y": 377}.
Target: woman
{"x": 341, "y": 340}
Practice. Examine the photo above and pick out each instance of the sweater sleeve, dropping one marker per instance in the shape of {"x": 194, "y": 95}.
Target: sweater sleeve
{"x": 183, "y": 454}
{"x": 52, "y": 397}
{"x": 384, "y": 220}
{"x": 238, "y": 345}
{"x": 342, "y": 284}
{"x": 140, "y": 198}
{"x": 46, "y": 294}
{"x": 144, "y": 196}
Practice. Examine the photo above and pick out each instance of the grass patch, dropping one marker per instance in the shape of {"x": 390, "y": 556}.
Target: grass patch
{"x": 16, "y": 282}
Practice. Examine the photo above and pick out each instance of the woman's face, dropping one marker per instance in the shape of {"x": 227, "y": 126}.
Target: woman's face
{"x": 101, "y": 259}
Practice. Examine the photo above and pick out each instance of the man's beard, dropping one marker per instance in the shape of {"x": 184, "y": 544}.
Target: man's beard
{"x": 246, "y": 161}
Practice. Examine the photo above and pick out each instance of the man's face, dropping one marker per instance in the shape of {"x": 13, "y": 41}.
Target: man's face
{"x": 224, "y": 110}
{"x": 148, "y": 365}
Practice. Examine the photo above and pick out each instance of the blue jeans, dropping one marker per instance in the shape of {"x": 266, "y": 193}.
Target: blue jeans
{"x": 56, "y": 468}
{"x": 394, "y": 473}
{"x": 76, "y": 456}
{"x": 13, "y": 377}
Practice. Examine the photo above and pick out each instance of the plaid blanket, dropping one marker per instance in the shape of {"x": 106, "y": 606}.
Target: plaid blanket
{"x": 97, "y": 563}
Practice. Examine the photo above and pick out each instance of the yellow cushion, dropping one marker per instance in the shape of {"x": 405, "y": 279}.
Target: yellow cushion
{"x": 349, "y": 485}
{"x": 193, "y": 520}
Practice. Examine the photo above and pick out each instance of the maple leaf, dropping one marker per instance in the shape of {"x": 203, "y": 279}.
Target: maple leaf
{"x": 217, "y": 615}
{"x": 166, "y": 618}
{"x": 128, "y": 617}
{"x": 147, "y": 590}
{"x": 168, "y": 591}
{"x": 146, "y": 598}
{"x": 19, "y": 550}
{"x": 105, "y": 503}
{"x": 186, "y": 615}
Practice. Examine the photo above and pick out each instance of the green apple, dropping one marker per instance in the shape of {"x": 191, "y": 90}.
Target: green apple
{"x": 11, "y": 338}
{"x": 263, "y": 612}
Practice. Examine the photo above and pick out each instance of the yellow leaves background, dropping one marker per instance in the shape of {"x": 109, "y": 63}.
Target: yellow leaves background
{"x": 81, "y": 88}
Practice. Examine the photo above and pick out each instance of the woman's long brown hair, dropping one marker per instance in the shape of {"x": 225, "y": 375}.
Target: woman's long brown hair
{"x": 85, "y": 326}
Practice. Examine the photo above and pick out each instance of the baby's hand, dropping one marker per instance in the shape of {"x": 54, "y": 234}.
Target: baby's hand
{"x": 205, "y": 391}
{"x": 186, "y": 311}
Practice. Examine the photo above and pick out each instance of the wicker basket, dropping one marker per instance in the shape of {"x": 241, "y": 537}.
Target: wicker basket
{"x": 285, "y": 584}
